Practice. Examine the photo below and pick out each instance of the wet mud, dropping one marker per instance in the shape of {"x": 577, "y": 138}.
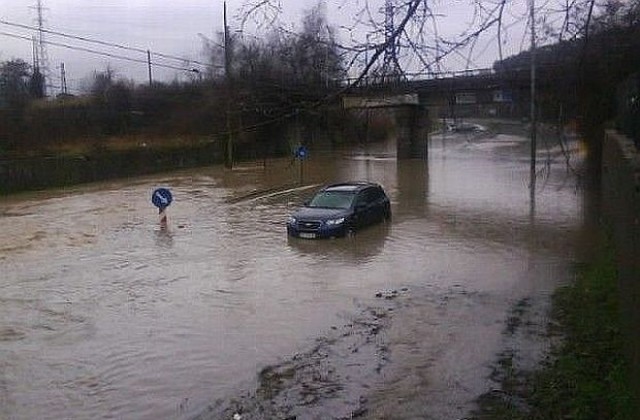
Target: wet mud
{"x": 329, "y": 381}
{"x": 528, "y": 336}
{"x": 418, "y": 354}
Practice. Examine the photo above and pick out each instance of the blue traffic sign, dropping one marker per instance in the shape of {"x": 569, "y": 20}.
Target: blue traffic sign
{"x": 302, "y": 152}
{"x": 161, "y": 198}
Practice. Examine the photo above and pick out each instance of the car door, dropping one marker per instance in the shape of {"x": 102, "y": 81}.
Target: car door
{"x": 382, "y": 204}
{"x": 364, "y": 208}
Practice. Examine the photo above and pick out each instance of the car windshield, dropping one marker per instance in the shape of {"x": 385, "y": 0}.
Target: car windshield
{"x": 333, "y": 199}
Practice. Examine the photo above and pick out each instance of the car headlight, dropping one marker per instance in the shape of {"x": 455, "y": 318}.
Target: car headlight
{"x": 291, "y": 220}
{"x": 333, "y": 222}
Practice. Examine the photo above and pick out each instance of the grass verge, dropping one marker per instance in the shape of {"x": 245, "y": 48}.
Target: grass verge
{"x": 585, "y": 376}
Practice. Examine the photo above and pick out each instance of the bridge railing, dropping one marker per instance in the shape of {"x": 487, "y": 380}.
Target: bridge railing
{"x": 417, "y": 76}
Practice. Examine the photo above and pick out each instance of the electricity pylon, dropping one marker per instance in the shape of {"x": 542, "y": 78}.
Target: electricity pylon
{"x": 41, "y": 46}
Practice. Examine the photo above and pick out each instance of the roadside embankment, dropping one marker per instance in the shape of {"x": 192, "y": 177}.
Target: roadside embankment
{"x": 621, "y": 210}
{"x": 593, "y": 368}
{"x": 40, "y": 172}
{"x": 586, "y": 374}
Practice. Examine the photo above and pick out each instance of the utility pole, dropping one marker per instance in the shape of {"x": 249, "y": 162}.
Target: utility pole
{"x": 149, "y": 66}
{"x": 36, "y": 61}
{"x": 534, "y": 122}
{"x": 63, "y": 79}
{"x": 37, "y": 81}
{"x": 389, "y": 49}
{"x": 391, "y": 70}
{"x": 228, "y": 78}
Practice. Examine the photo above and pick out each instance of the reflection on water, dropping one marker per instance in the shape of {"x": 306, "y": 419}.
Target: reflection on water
{"x": 364, "y": 246}
{"x": 105, "y": 315}
{"x": 164, "y": 237}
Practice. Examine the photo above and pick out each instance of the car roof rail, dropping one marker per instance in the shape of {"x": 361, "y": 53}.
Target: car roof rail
{"x": 353, "y": 183}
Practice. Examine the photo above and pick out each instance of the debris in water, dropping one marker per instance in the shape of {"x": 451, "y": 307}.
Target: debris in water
{"x": 387, "y": 294}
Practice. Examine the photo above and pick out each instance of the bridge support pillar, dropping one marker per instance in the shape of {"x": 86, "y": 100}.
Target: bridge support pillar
{"x": 412, "y": 127}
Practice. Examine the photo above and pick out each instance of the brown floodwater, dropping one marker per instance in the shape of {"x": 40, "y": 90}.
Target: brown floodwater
{"x": 104, "y": 314}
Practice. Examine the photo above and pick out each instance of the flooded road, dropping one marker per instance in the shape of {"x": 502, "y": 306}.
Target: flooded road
{"x": 105, "y": 315}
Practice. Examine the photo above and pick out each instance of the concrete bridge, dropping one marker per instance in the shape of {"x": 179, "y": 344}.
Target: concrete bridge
{"x": 411, "y": 118}
{"x": 481, "y": 92}
{"x": 476, "y": 93}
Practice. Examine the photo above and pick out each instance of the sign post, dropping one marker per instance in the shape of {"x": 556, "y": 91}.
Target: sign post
{"x": 162, "y": 198}
{"x": 301, "y": 153}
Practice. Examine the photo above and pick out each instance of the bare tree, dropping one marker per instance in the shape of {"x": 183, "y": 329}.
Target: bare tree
{"x": 411, "y": 36}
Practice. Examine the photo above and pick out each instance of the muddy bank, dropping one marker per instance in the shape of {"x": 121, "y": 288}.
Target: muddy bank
{"x": 417, "y": 354}
{"x": 330, "y": 380}
{"x": 529, "y": 335}
{"x": 585, "y": 373}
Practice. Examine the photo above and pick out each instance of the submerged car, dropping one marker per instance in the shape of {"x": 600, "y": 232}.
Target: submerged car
{"x": 340, "y": 209}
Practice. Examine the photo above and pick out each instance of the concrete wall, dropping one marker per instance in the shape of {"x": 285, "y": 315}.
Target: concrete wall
{"x": 621, "y": 208}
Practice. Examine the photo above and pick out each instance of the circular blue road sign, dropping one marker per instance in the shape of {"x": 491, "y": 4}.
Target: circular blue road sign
{"x": 302, "y": 152}
{"x": 161, "y": 198}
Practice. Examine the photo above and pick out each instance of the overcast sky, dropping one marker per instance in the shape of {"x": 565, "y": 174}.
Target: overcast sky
{"x": 163, "y": 26}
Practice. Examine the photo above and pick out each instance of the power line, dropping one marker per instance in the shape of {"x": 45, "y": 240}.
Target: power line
{"x": 104, "y": 43}
{"x": 96, "y": 52}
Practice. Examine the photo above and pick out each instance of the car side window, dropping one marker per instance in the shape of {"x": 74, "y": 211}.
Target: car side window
{"x": 373, "y": 195}
{"x": 362, "y": 198}
{"x": 365, "y": 197}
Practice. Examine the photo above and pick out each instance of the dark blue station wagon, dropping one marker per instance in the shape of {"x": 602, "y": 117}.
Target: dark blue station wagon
{"x": 340, "y": 209}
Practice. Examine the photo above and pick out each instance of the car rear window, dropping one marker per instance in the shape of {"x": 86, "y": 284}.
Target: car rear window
{"x": 333, "y": 199}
